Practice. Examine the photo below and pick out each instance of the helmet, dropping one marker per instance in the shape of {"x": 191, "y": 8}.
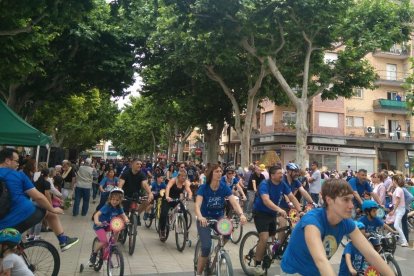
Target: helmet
{"x": 292, "y": 167}
{"x": 368, "y": 205}
{"x": 359, "y": 225}
{"x": 230, "y": 169}
{"x": 10, "y": 236}
{"x": 117, "y": 190}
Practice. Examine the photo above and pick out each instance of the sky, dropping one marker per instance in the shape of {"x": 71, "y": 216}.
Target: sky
{"x": 134, "y": 91}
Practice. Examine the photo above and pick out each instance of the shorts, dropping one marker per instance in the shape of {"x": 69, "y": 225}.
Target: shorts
{"x": 32, "y": 220}
{"x": 264, "y": 222}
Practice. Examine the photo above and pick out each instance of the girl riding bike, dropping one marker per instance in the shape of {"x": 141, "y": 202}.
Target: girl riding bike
{"x": 111, "y": 209}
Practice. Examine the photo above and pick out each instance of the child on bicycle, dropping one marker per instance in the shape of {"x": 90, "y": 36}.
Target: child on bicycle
{"x": 102, "y": 217}
{"x": 370, "y": 220}
{"x": 352, "y": 260}
{"x": 156, "y": 187}
{"x": 12, "y": 264}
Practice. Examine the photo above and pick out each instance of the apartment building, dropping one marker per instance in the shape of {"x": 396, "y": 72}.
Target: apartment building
{"x": 372, "y": 130}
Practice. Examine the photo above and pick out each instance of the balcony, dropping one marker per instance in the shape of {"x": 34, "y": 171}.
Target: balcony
{"x": 391, "y": 78}
{"x": 390, "y": 106}
{"x": 395, "y": 52}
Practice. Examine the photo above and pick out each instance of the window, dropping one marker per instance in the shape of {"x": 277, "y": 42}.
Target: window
{"x": 358, "y": 93}
{"x": 358, "y": 121}
{"x": 328, "y": 119}
{"x": 391, "y": 72}
{"x": 349, "y": 121}
{"x": 289, "y": 117}
{"x": 330, "y": 57}
{"x": 392, "y": 95}
{"x": 268, "y": 118}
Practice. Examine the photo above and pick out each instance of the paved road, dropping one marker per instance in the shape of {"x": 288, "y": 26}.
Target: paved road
{"x": 153, "y": 257}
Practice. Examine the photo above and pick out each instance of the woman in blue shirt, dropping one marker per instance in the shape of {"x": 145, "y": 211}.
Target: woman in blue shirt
{"x": 210, "y": 204}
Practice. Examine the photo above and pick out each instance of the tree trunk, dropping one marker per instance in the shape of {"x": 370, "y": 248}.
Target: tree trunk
{"x": 180, "y": 150}
{"x": 211, "y": 143}
{"x": 302, "y": 156}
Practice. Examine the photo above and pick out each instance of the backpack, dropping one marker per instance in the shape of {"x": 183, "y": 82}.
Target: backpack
{"x": 5, "y": 200}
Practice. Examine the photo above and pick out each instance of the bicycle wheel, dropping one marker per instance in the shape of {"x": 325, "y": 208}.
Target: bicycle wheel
{"x": 237, "y": 233}
{"x": 41, "y": 257}
{"x": 247, "y": 252}
{"x": 148, "y": 222}
{"x": 115, "y": 264}
{"x": 123, "y": 235}
{"x": 180, "y": 233}
{"x": 99, "y": 258}
{"x": 132, "y": 234}
{"x": 392, "y": 263}
{"x": 225, "y": 268}
{"x": 197, "y": 253}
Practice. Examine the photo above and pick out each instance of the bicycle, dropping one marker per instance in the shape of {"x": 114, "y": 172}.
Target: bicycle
{"x": 131, "y": 231}
{"x": 40, "y": 256}
{"x": 220, "y": 264}
{"x": 274, "y": 249}
{"x": 176, "y": 222}
{"x": 237, "y": 232}
{"x": 386, "y": 249}
{"x": 110, "y": 253}
{"x": 154, "y": 214}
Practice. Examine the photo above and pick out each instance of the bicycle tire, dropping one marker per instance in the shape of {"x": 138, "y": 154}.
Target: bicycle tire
{"x": 189, "y": 220}
{"x": 197, "y": 253}
{"x": 148, "y": 222}
{"x": 225, "y": 259}
{"x": 115, "y": 260}
{"x": 180, "y": 229}
{"x": 132, "y": 234}
{"x": 392, "y": 263}
{"x": 99, "y": 257}
{"x": 41, "y": 262}
{"x": 237, "y": 232}
{"x": 247, "y": 257}
{"x": 123, "y": 235}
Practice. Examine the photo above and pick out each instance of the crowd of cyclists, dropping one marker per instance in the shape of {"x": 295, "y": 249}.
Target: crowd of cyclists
{"x": 329, "y": 204}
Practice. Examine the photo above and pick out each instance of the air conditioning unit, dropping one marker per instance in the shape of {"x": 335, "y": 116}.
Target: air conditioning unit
{"x": 382, "y": 130}
{"x": 370, "y": 130}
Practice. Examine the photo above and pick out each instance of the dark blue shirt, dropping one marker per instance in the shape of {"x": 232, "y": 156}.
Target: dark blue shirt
{"x": 157, "y": 188}
{"x": 357, "y": 260}
{"x": 213, "y": 201}
{"x": 360, "y": 188}
{"x": 275, "y": 192}
{"x": 295, "y": 185}
{"x": 107, "y": 213}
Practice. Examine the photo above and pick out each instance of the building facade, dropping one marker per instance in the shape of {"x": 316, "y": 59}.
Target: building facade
{"x": 372, "y": 130}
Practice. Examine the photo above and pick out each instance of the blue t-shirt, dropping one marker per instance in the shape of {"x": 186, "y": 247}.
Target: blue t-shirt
{"x": 293, "y": 187}
{"x": 357, "y": 259}
{"x": 297, "y": 258}
{"x": 233, "y": 182}
{"x": 107, "y": 213}
{"x": 108, "y": 184}
{"x": 371, "y": 225}
{"x": 213, "y": 201}
{"x": 275, "y": 193}
{"x": 360, "y": 188}
{"x": 21, "y": 206}
{"x": 157, "y": 188}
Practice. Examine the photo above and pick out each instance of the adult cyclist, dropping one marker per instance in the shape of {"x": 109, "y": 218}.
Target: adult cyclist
{"x": 132, "y": 181}
{"x": 361, "y": 186}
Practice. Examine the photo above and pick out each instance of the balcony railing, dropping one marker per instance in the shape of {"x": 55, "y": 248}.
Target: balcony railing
{"x": 394, "y": 52}
{"x": 391, "y": 78}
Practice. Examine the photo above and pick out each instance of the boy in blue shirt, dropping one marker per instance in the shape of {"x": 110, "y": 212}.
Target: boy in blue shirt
{"x": 156, "y": 187}
{"x": 352, "y": 260}
{"x": 370, "y": 220}
{"x": 315, "y": 238}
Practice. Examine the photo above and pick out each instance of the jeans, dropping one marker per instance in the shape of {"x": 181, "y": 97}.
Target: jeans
{"x": 250, "y": 200}
{"x": 94, "y": 190}
{"x": 85, "y": 194}
{"x": 103, "y": 200}
{"x": 404, "y": 224}
{"x": 205, "y": 238}
{"x": 399, "y": 213}
{"x": 315, "y": 198}
{"x": 165, "y": 208}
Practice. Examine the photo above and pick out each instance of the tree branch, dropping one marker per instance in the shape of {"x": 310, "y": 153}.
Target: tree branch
{"x": 26, "y": 29}
{"x": 323, "y": 87}
{"x": 263, "y": 73}
{"x": 306, "y": 66}
{"x": 279, "y": 77}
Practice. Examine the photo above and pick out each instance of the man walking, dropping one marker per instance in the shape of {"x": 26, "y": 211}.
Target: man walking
{"x": 83, "y": 187}
{"x": 315, "y": 182}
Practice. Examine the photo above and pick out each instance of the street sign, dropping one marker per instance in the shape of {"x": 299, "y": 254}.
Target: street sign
{"x": 198, "y": 151}
{"x": 407, "y": 165}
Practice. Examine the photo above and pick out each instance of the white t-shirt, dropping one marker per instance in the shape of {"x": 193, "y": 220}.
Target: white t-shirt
{"x": 17, "y": 265}
{"x": 315, "y": 186}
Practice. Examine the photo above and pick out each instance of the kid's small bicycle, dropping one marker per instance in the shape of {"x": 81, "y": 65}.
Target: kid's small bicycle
{"x": 110, "y": 253}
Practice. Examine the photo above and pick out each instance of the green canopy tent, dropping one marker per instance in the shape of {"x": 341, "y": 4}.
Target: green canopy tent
{"x": 14, "y": 131}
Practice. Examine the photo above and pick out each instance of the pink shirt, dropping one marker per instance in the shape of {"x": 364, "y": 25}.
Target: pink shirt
{"x": 381, "y": 191}
{"x": 398, "y": 193}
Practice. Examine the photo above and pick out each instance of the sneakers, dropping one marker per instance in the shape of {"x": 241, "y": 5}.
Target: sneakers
{"x": 404, "y": 245}
{"x": 92, "y": 259}
{"x": 163, "y": 237}
{"x": 257, "y": 271}
{"x": 68, "y": 243}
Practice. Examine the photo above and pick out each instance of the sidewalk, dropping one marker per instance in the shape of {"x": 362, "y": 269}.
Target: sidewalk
{"x": 152, "y": 257}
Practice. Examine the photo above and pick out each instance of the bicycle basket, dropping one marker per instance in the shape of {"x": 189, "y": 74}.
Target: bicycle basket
{"x": 224, "y": 227}
{"x": 389, "y": 244}
{"x": 117, "y": 224}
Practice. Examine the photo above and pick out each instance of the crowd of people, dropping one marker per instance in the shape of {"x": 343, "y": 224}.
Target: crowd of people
{"x": 266, "y": 193}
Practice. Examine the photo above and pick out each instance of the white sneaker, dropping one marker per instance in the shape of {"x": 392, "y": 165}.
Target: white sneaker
{"x": 257, "y": 271}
